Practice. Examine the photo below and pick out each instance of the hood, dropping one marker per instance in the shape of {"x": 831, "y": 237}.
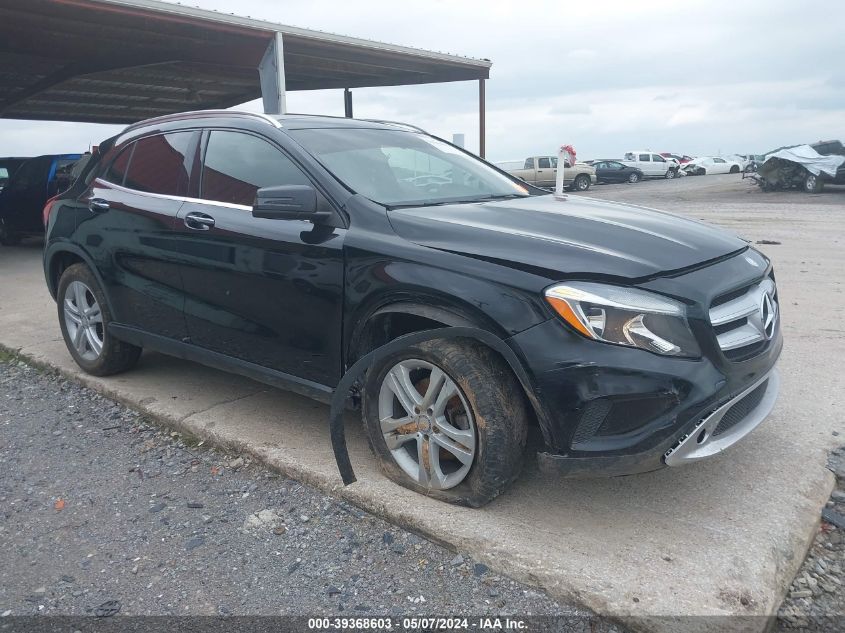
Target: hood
{"x": 563, "y": 238}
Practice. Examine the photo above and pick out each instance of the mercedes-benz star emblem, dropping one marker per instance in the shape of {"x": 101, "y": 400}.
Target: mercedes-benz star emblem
{"x": 767, "y": 315}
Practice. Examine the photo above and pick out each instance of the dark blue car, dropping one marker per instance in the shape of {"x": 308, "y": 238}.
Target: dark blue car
{"x": 24, "y": 196}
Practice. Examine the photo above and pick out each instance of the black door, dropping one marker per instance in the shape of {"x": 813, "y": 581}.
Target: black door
{"x": 265, "y": 291}
{"x": 24, "y": 196}
{"x": 127, "y": 228}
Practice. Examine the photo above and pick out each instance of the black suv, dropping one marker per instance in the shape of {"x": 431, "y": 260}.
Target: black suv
{"x": 285, "y": 248}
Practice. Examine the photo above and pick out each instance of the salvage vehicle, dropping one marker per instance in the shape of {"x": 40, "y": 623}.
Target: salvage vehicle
{"x": 678, "y": 158}
{"x": 290, "y": 248}
{"x": 704, "y": 165}
{"x": 614, "y": 171}
{"x": 23, "y": 198}
{"x": 541, "y": 171}
{"x": 807, "y": 167}
{"x": 651, "y": 164}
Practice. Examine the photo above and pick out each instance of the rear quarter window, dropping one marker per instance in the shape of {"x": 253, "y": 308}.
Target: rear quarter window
{"x": 116, "y": 173}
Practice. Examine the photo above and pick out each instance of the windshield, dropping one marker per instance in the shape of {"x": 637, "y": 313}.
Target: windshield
{"x": 403, "y": 169}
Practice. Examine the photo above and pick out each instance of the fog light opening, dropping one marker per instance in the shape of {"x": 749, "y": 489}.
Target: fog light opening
{"x": 702, "y": 436}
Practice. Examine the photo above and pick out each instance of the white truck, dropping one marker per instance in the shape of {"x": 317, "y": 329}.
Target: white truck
{"x": 652, "y": 164}
{"x": 541, "y": 171}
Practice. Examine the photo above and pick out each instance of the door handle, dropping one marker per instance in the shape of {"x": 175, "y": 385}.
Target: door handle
{"x": 98, "y": 205}
{"x": 199, "y": 221}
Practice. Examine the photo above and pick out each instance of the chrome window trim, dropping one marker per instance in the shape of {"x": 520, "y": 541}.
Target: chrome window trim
{"x": 161, "y": 196}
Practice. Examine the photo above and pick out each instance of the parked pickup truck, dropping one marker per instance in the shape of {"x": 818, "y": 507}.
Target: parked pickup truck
{"x": 541, "y": 171}
{"x": 652, "y": 164}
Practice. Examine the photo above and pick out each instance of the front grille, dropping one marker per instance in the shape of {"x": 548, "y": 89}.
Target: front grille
{"x": 743, "y": 320}
{"x": 741, "y": 409}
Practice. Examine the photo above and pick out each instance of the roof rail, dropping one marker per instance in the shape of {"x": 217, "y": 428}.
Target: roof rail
{"x": 206, "y": 113}
{"x": 399, "y": 123}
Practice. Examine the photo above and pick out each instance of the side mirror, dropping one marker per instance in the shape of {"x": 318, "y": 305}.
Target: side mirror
{"x": 288, "y": 202}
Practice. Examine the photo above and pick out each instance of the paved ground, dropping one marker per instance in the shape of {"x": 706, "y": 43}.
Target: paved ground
{"x": 721, "y": 537}
{"x": 99, "y": 506}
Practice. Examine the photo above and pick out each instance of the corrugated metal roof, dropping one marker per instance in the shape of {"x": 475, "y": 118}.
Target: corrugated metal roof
{"x": 119, "y": 61}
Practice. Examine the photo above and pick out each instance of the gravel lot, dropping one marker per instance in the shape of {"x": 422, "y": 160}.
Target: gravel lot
{"x": 816, "y": 599}
{"x": 100, "y": 505}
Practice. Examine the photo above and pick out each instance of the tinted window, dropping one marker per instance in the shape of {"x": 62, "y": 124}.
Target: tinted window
{"x": 544, "y": 163}
{"x": 237, "y": 165}
{"x": 644, "y": 157}
{"x": 117, "y": 171}
{"x": 32, "y": 174}
{"x": 529, "y": 163}
{"x": 718, "y": 160}
{"x": 160, "y": 164}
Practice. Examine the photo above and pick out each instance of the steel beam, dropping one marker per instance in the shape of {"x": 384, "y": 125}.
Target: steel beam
{"x": 271, "y": 72}
{"x": 482, "y": 116}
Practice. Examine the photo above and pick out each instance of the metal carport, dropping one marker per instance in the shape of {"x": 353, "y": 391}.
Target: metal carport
{"x": 119, "y": 61}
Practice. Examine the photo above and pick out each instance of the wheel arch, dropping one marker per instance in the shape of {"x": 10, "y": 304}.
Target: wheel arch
{"x": 59, "y": 257}
{"x": 400, "y": 318}
{"x": 392, "y": 318}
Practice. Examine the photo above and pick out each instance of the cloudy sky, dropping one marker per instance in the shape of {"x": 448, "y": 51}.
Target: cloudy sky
{"x": 671, "y": 75}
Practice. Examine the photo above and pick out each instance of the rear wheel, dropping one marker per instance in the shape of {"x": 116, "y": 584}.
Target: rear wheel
{"x": 84, "y": 318}
{"x": 8, "y": 237}
{"x": 813, "y": 184}
{"x": 446, "y": 419}
{"x": 634, "y": 177}
{"x": 582, "y": 182}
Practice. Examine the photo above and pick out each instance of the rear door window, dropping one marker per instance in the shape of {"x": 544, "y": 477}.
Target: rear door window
{"x": 161, "y": 164}
{"x": 645, "y": 158}
{"x": 236, "y": 165}
{"x": 544, "y": 163}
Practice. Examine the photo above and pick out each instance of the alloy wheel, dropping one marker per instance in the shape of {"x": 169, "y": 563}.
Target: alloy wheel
{"x": 427, "y": 424}
{"x": 84, "y": 320}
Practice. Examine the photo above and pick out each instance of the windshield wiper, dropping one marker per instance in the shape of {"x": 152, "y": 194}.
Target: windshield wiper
{"x": 440, "y": 203}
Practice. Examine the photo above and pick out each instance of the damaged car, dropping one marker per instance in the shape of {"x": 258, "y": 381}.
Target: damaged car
{"x": 808, "y": 167}
{"x": 292, "y": 248}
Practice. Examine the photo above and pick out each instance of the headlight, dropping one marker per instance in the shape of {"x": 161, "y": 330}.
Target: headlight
{"x": 625, "y": 316}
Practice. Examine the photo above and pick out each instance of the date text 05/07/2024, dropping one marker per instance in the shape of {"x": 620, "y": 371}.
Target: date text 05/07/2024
{"x": 418, "y": 624}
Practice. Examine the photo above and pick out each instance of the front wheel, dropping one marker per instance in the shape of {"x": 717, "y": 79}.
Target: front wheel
{"x": 582, "y": 182}
{"x": 671, "y": 174}
{"x": 84, "y": 317}
{"x": 734, "y": 169}
{"x": 634, "y": 177}
{"x": 446, "y": 419}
